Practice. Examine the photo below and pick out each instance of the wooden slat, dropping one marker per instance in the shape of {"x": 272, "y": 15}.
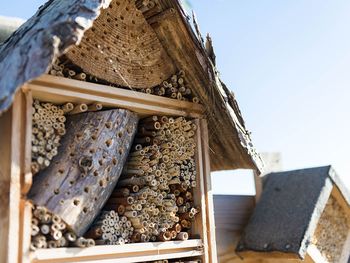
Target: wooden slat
{"x": 200, "y": 225}
{"x": 232, "y": 212}
{"x": 123, "y": 253}
{"x": 11, "y": 148}
{"x": 60, "y": 90}
{"x": 208, "y": 192}
{"x": 5, "y": 178}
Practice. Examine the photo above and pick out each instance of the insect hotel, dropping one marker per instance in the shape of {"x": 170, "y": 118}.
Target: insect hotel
{"x": 309, "y": 223}
{"x": 112, "y": 118}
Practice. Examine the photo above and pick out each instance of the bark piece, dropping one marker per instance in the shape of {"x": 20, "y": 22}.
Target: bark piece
{"x": 85, "y": 171}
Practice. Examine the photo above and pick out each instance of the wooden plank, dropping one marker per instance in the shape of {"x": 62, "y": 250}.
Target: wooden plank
{"x": 25, "y": 231}
{"x": 200, "y": 226}
{"x": 26, "y": 178}
{"x": 247, "y": 255}
{"x": 11, "y": 147}
{"x": 232, "y": 212}
{"x": 314, "y": 255}
{"x": 208, "y": 191}
{"x": 5, "y": 179}
{"x": 122, "y": 253}
{"x": 60, "y": 90}
{"x": 141, "y": 257}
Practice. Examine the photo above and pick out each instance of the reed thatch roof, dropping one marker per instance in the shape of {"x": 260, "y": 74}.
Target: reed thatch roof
{"x": 132, "y": 45}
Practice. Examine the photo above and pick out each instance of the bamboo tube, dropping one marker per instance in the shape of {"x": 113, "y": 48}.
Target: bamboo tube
{"x": 79, "y": 109}
{"x": 95, "y": 107}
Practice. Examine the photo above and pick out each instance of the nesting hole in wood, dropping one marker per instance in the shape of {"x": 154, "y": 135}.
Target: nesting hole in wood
{"x": 109, "y": 142}
{"x": 85, "y": 210}
{"x": 56, "y": 191}
{"x": 114, "y": 161}
{"x": 76, "y": 202}
{"x": 87, "y": 189}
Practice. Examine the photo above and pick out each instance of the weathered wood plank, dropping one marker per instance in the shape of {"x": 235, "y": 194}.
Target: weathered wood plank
{"x": 88, "y": 165}
{"x": 208, "y": 192}
{"x": 59, "y": 90}
{"x": 122, "y": 253}
{"x": 230, "y": 143}
{"x": 5, "y": 179}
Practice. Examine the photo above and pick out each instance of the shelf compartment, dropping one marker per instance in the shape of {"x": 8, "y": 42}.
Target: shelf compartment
{"x": 60, "y": 90}
{"x": 138, "y": 252}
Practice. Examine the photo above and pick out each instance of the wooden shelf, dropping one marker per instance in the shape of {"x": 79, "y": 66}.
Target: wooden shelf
{"x": 138, "y": 252}
{"x": 59, "y": 90}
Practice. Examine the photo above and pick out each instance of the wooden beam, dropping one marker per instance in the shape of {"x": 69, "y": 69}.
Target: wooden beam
{"x": 138, "y": 252}
{"x": 60, "y": 90}
{"x": 11, "y": 148}
{"x": 200, "y": 224}
{"x": 208, "y": 192}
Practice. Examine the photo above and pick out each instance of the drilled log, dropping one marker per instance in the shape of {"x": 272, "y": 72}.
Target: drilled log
{"x": 90, "y": 160}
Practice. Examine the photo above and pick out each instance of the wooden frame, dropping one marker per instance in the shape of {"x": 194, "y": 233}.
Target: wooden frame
{"x": 59, "y": 90}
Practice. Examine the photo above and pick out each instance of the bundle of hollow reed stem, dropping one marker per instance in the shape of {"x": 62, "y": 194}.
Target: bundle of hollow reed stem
{"x": 48, "y": 126}
{"x": 155, "y": 189}
{"x": 175, "y": 88}
{"x": 50, "y": 231}
{"x": 111, "y": 229}
{"x": 332, "y": 230}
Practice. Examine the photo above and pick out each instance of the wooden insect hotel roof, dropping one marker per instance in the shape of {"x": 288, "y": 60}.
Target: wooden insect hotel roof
{"x": 131, "y": 45}
{"x": 291, "y": 212}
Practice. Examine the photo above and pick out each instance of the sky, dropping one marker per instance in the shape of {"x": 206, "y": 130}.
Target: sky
{"x": 288, "y": 64}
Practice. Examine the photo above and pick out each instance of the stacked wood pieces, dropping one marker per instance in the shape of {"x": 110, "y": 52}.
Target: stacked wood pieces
{"x": 175, "y": 88}
{"x": 50, "y": 231}
{"x": 48, "y": 127}
{"x": 111, "y": 229}
{"x": 155, "y": 189}
{"x": 88, "y": 165}
{"x": 332, "y": 230}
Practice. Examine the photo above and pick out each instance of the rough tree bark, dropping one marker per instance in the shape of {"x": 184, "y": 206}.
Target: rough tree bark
{"x": 90, "y": 160}
{"x": 29, "y": 52}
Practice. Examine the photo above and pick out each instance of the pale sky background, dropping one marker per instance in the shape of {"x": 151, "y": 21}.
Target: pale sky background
{"x": 288, "y": 63}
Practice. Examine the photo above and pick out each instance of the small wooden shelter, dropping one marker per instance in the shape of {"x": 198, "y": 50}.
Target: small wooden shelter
{"x": 102, "y": 54}
{"x": 303, "y": 215}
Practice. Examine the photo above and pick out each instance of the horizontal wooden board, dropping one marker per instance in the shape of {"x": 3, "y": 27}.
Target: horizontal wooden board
{"x": 60, "y": 90}
{"x": 137, "y": 252}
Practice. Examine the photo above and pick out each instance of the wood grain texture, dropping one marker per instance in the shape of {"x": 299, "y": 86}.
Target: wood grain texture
{"x": 29, "y": 52}
{"x": 5, "y": 171}
{"x": 90, "y": 160}
{"x": 230, "y": 142}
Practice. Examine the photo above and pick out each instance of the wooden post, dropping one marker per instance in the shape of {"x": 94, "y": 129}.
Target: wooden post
{"x": 11, "y": 148}
{"x": 208, "y": 192}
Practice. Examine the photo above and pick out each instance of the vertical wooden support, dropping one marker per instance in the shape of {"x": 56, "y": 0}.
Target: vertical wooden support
{"x": 200, "y": 224}
{"x": 258, "y": 186}
{"x": 11, "y": 149}
{"x": 208, "y": 192}
{"x": 26, "y": 177}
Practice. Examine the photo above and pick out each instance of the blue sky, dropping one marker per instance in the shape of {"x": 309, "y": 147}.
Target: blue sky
{"x": 288, "y": 63}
